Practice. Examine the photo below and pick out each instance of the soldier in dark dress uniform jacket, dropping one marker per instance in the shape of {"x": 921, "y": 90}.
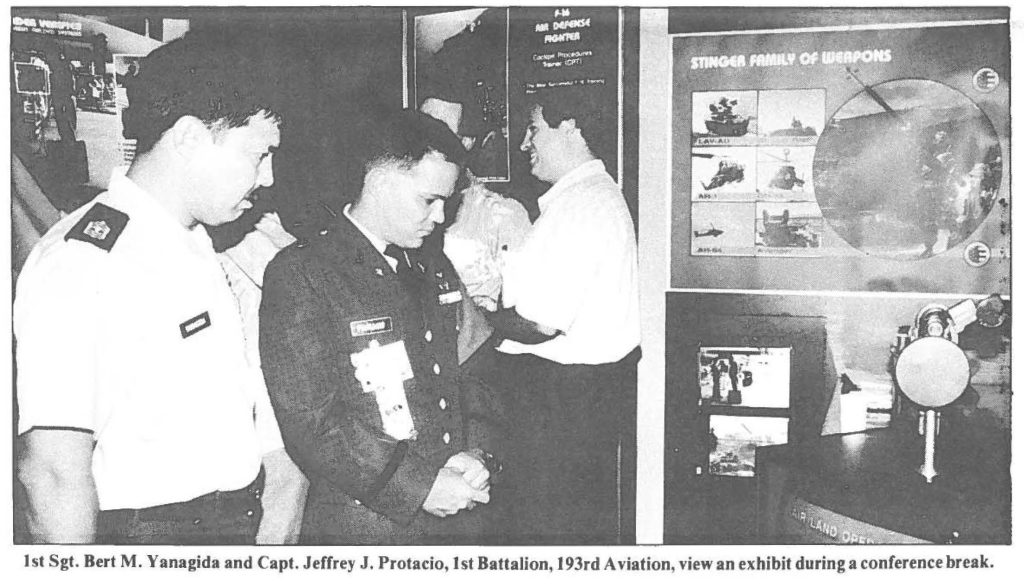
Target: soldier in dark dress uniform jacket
{"x": 358, "y": 338}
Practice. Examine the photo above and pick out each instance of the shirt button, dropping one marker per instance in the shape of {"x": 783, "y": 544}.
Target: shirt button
{"x": 323, "y": 232}
{"x": 196, "y": 522}
{"x": 443, "y": 404}
{"x": 249, "y": 513}
{"x": 437, "y": 369}
{"x": 428, "y": 335}
{"x": 357, "y": 502}
{"x": 446, "y": 438}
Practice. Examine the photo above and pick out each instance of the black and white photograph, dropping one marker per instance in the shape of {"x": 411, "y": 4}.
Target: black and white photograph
{"x": 908, "y": 169}
{"x": 785, "y": 174}
{"x": 733, "y": 440}
{"x": 725, "y": 118}
{"x": 791, "y": 117}
{"x": 723, "y": 228}
{"x": 557, "y": 294}
{"x": 462, "y": 79}
{"x": 789, "y": 228}
{"x": 745, "y": 376}
{"x": 726, "y": 174}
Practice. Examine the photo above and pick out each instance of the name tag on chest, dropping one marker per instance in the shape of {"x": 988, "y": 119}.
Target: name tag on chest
{"x": 371, "y": 326}
{"x": 194, "y": 325}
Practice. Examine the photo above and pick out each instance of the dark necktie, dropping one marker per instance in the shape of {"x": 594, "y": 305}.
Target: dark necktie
{"x": 408, "y": 277}
{"x": 402, "y": 267}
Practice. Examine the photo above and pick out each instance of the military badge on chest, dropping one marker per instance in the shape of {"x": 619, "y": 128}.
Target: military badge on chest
{"x": 446, "y": 294}
{"x": 381, "y": 370}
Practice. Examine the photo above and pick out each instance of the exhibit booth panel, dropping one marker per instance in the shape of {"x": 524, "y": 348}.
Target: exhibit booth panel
{"x": 846, "y": 168}
{"x": 872, "y": 157}
{"x": 852, "y": 445}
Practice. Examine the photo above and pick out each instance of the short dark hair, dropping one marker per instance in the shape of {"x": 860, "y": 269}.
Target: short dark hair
{"x": 201, "y": 75}
{"x": 404, "y": 137}
{"x": 582, "y": 104}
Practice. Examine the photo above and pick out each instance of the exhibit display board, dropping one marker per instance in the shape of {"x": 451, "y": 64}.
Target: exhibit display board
{"x": 571, "y": 48}
{"x": 871, "y": 158}
{"x": 494, "y": 61}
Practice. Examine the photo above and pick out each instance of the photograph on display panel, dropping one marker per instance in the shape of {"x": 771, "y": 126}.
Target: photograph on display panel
{"x": 762, "y": 153}
{"x": 745, "y": 376}
{"x": 461, "y": 60}
{"x": 732, "y": 441}
{"x": 723, "y": 228}
{"x": 908, "y": 169}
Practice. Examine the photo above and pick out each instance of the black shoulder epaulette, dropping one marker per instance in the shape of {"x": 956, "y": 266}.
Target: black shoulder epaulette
{"x": 101, "y": 226}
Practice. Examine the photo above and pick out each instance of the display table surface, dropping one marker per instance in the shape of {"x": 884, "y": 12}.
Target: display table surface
{"x": 872, "y": 479}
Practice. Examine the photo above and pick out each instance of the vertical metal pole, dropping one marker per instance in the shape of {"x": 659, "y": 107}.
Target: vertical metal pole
{"x": 928, "y": 468}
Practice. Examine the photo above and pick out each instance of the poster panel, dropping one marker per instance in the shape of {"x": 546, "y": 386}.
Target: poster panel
{"x": 126, "y": 67}
{"x": 573, "y": 50}
{"x": 859, "y": 160}
{"x": 461, "y": 57}
{"x": 494, "y": 62}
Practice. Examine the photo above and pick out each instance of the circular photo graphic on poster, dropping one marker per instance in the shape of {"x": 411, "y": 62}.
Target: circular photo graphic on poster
{"x": 907, "y": 169}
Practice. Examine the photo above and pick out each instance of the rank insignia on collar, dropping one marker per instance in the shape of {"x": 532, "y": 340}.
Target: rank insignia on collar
{"x": 100, "y": 226}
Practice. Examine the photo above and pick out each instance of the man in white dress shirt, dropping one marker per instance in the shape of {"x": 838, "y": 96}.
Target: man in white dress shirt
{"x": 570, "y": 320}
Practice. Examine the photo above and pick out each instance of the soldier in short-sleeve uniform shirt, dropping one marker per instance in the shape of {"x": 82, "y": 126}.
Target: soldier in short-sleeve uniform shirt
{"x": 142, "y": 420}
